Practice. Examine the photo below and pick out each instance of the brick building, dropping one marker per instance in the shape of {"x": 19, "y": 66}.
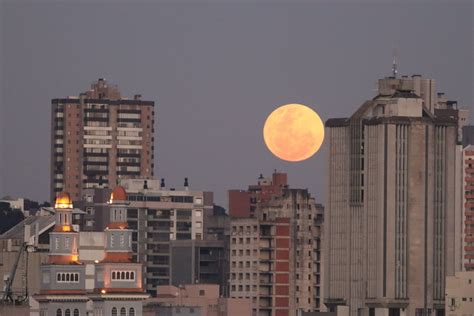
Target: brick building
{"x": 99, "y": 137}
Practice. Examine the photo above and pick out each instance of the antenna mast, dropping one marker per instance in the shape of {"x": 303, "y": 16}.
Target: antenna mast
{"x": 394, "y": 63}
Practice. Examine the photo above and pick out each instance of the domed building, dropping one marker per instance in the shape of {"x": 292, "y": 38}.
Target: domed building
{"x": 118, "y": 280}
{"x": 62, "y": 285}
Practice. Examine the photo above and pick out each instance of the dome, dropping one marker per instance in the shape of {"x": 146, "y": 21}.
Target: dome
{"x": 63, "y": 200}
{"x": 118, "y": 194}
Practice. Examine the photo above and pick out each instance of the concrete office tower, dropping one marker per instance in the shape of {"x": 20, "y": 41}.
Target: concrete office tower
{"x": 118, "y": 280}
{"x": 62, "y": 288}
{"x": 99, "y": 137}
{"x": 390, "y": 223}
{"x": 275, "y": 257}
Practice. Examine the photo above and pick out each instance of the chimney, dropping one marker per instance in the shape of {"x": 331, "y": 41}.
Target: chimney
{"x": 162, "y": 184}
{"x": 137, "y": 97}
{"x": 145, "y": 185}
{"x": 186, "y": 184}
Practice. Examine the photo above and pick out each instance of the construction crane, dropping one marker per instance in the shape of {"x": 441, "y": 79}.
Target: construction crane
{"x": 8, "y": 296}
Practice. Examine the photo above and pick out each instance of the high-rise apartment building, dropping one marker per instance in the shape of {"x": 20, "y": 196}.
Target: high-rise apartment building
{"x": 159, "y": 215}
{"x": 98, "y": 138}
{"x": 468, "y": 198}
{"x": 275, "y": 255}
{"x": 390, "y": 223}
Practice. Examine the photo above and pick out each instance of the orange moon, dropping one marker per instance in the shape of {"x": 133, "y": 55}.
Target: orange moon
{"x": 293, "y": 132}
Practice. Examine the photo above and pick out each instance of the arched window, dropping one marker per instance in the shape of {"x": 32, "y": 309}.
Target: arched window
{"x": 132, "y": 275}
{"x": 131, "y": 312}
{"x": 76, "y": 312}
{"x": 63, "y": 277}
{"x": 58, "y": 277}
{"x": 114, "y": 311}
{"x": 76, "y": 277}
{"x": 127, "y": 275}
{"x": 123, "y": 311}
{"x": 113, "y": 275}
{"x": 67, "y": 277}
{"x": 123, "y": 275}
{"x": 68, "y": 312}
{"x": 59, "y": 312}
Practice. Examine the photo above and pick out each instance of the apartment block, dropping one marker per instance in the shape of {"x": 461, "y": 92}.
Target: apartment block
{"x": 98, "y": 138}
{"x": 244, "y": 203}
{"x": 390, "y": 224}
{"x": 159, "y": 215}
{"x": 275, "y": 257}
{"x": 468, "y": 177}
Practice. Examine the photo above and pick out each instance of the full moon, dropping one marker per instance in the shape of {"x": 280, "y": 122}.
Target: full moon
{"x": 293, "y": 132}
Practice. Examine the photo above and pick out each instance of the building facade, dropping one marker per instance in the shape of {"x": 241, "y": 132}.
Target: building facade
{"x": 62, "y": 288}
{"x": 390, "y": 222}
{"x": 275, "y": 256}
{"x": 118, "y": 280}
{"x": 98, "y": 138}
{"x": 468, "y": 201}
{"x": 244, "y": 203}
{"x": 199, "y": 262}
{"x": 159, "y": 215}
{"x": 460, "y": 294}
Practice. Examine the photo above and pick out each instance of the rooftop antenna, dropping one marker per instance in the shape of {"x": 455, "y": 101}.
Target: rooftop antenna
{"x": 394, "y": 63}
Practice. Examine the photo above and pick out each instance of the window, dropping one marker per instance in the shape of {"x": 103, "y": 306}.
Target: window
{"x": 123, "y": 311}
{"x": 76, "y": 312}
{"x": 112, "y": 240}
{"x": 202, "y": 292}
{"x": 131, "y": 312}
{"x": 114, "y": 311}
{"x": 59, "y": 312}
{"x": 123, "y": 275}
{"x": 68, "y": 312}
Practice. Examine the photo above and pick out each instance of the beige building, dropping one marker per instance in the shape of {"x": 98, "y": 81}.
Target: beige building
{"x": 99, "y": 137}
{"x": 275, "y": 258}
{"x": 159, "y": 215}
{"x": 460, "y": 294}
{"x": 390, "y": 223}
{"x": 200, "y": 299}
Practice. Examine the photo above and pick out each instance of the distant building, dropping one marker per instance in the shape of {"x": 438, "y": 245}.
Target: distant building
{"x": 98, "y": 138}
{"x": 160, "y": 215}
{"x": 390, "y": 224}
{"x": 244, "y": 203}
{"x": 276, "y": 254}
{"x": 17, "y": 204}
{"x": 199, "y": 262}
{"x": 194, "y": 300}
{"x": 460, "y": 294}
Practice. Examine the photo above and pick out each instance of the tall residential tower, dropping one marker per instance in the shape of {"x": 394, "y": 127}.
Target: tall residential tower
{"x": 99, "y": 137}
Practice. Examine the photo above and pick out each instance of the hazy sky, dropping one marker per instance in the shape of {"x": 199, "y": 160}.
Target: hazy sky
{"x": 216, "y": 70}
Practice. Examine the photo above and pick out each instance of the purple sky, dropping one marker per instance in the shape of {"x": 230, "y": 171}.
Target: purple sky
{"x": 215, "y": 70}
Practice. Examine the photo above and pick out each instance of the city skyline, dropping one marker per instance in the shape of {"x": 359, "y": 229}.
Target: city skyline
{"x": 193, "y": 66}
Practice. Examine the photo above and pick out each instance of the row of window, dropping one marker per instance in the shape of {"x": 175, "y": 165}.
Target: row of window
{"x": 68, "y": 277}
{"x": 67, "y": 312}
{"x": 123, "y": 275}
{"x": 123, "y": 311}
